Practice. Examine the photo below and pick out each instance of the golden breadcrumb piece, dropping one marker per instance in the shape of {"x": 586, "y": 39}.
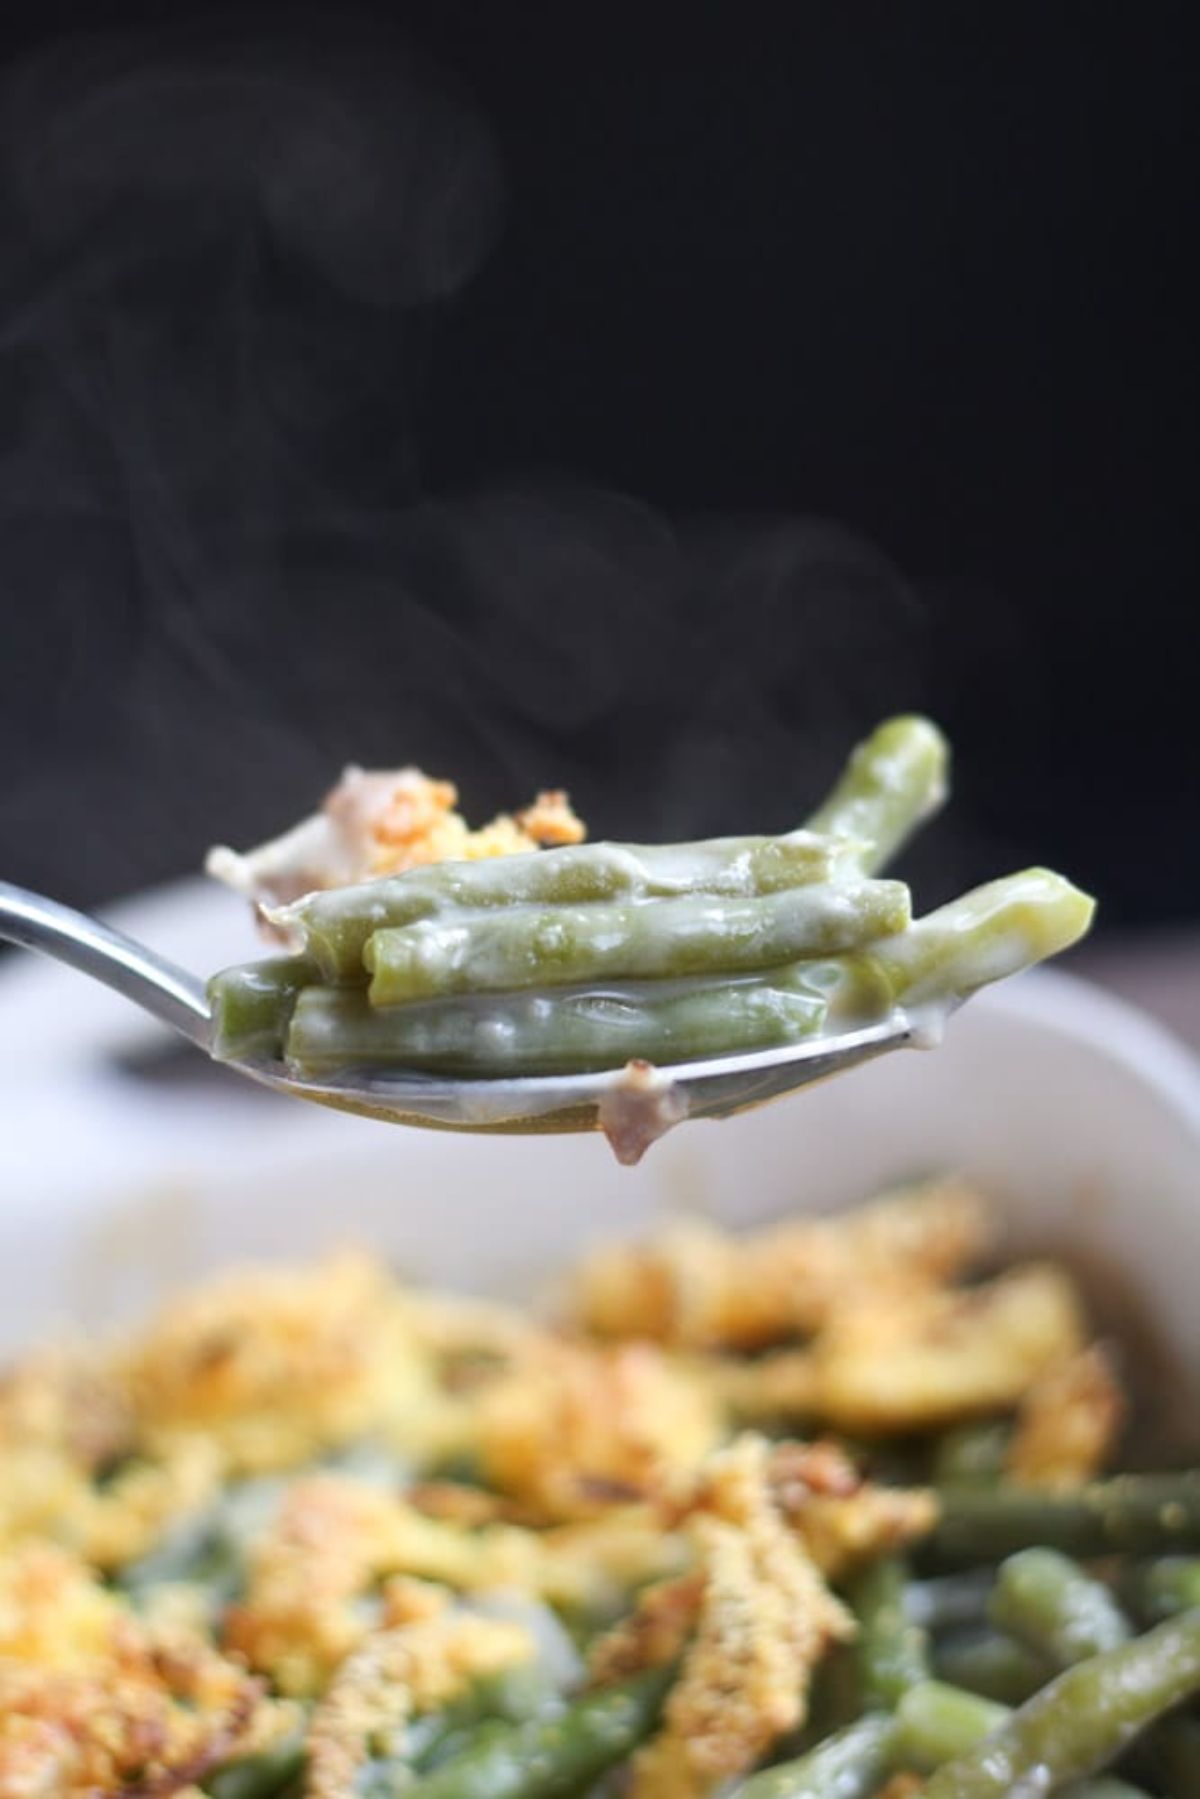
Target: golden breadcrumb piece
{"x": 428, "y": 1659}
{"x": 654, "y": 1634}
{"x": 1068, "y": 1422}
{"x": 416, "y": 823}
{"x": 695, "y": 1286}
{"x": 578, "y": 1429}
{"x": 921, "y": 1360}
{"x": 276, "y": 1366}
{"x": 64, "y": 1417}
{"x": 94, "y": 1699}
{"x": 902, "y": 1786}
{"x": 68, "y": 1400}
{"x": 751, "y": 1621}
{"x": 842, "y": 1519}
{"x": 331, "y": 1543}
{"x": 53, "y": 1611}
{"x": 550, "y": 820}
{"x": 127, "y": 1518}
{"x": 382, "y": 822}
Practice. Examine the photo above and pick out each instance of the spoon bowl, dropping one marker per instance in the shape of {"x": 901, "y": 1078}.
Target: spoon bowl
{"x": 632, "y": 1105}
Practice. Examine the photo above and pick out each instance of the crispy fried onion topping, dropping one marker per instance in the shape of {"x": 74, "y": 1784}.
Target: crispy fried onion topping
{"x": 698, "y": 1287}
{"x": 94, "y": 1700}
{"x": 749, "y": 1623}
{"x": 428, "y": 1659}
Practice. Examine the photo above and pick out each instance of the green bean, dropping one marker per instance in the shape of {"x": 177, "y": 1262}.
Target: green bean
{"x": 1082, "y": 1721}
{"x": 935, "y": 1723}
{"x": 1047, "y": 1602}
{"x": 1160, "y": 1589}
{"x": 251, "y": 1006}
{"x": 546, "y": 1758}
{"x": 1139, "y": 1514}
{"x": 893, "y": 782}
{"x": 572, "y": 1030}
{"x": 259, "y": 1776}
{"x": 974, "y": 1453}
{"x": 337, "y": 925}
{"x": 494, "y": 952}
{"x": 511, "y": 1697}
{"x": 984, "y": 936}
{"x": 848, "y": 1765}
{"x": 991, "y": 1664}
{"x": 890, "y": 1650}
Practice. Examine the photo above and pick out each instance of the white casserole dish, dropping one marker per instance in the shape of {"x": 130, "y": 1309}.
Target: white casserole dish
{"x": 1079, "y": 1114}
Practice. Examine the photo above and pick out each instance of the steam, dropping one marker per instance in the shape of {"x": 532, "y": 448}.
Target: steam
{"x": 238, "y": 254}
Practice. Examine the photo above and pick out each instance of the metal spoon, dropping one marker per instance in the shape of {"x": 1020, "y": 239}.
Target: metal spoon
{"x": 632, "y": 1108}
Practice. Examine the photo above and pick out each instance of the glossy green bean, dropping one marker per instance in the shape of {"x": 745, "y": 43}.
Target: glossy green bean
{"x": 499, "y": 951}
{"x": 1079, "y": 1724}
{"x": 1046, "y": 1601}
{"x": 251, "y": 1006}
{"x": 935, "y": 1723}
{"x": 851, "y": 1764}
{"x": 572, "y": 1030}
{"x": 891, "y": 1652}
{"x": 984, "y": 936}
{"x": 546, "y": 1758}
{"x": 337, "y": 925}
{"x": 1139, "y": 1514}
{"x": 892, "y": 782}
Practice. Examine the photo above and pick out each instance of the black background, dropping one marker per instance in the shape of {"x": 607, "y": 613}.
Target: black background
{"x": 496, "y": 443}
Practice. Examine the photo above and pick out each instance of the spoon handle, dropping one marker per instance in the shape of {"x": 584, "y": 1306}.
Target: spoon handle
{"x": 149, "y": 980}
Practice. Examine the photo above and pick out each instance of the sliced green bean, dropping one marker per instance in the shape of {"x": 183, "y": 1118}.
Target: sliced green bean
{"x": 1050, "y": 1604}
{"x": 573, "y": 1030}
{"x": 259, "y": 1776}
{"x": 891, "y": 1652}
{"x": 849, "y": 1765}
{"x": 251, "y": 1006}
{"x": 972, "y": 1453}
{"x": 499, "y": 951}
{"x": 893, "y": 782}
{"x": 991, "y": 1664}
{"x": 512, "y": 1697}
{"x": 1139, "y": 1514}
{"x": 547, "y": 1758}
{"x": 984, "y": 936}
{"x": 337, "y": 925}
{"x": 1162, "y": 1588}
{"x": 1079, "y": 1724}
{"x": 936, "y": 1722}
